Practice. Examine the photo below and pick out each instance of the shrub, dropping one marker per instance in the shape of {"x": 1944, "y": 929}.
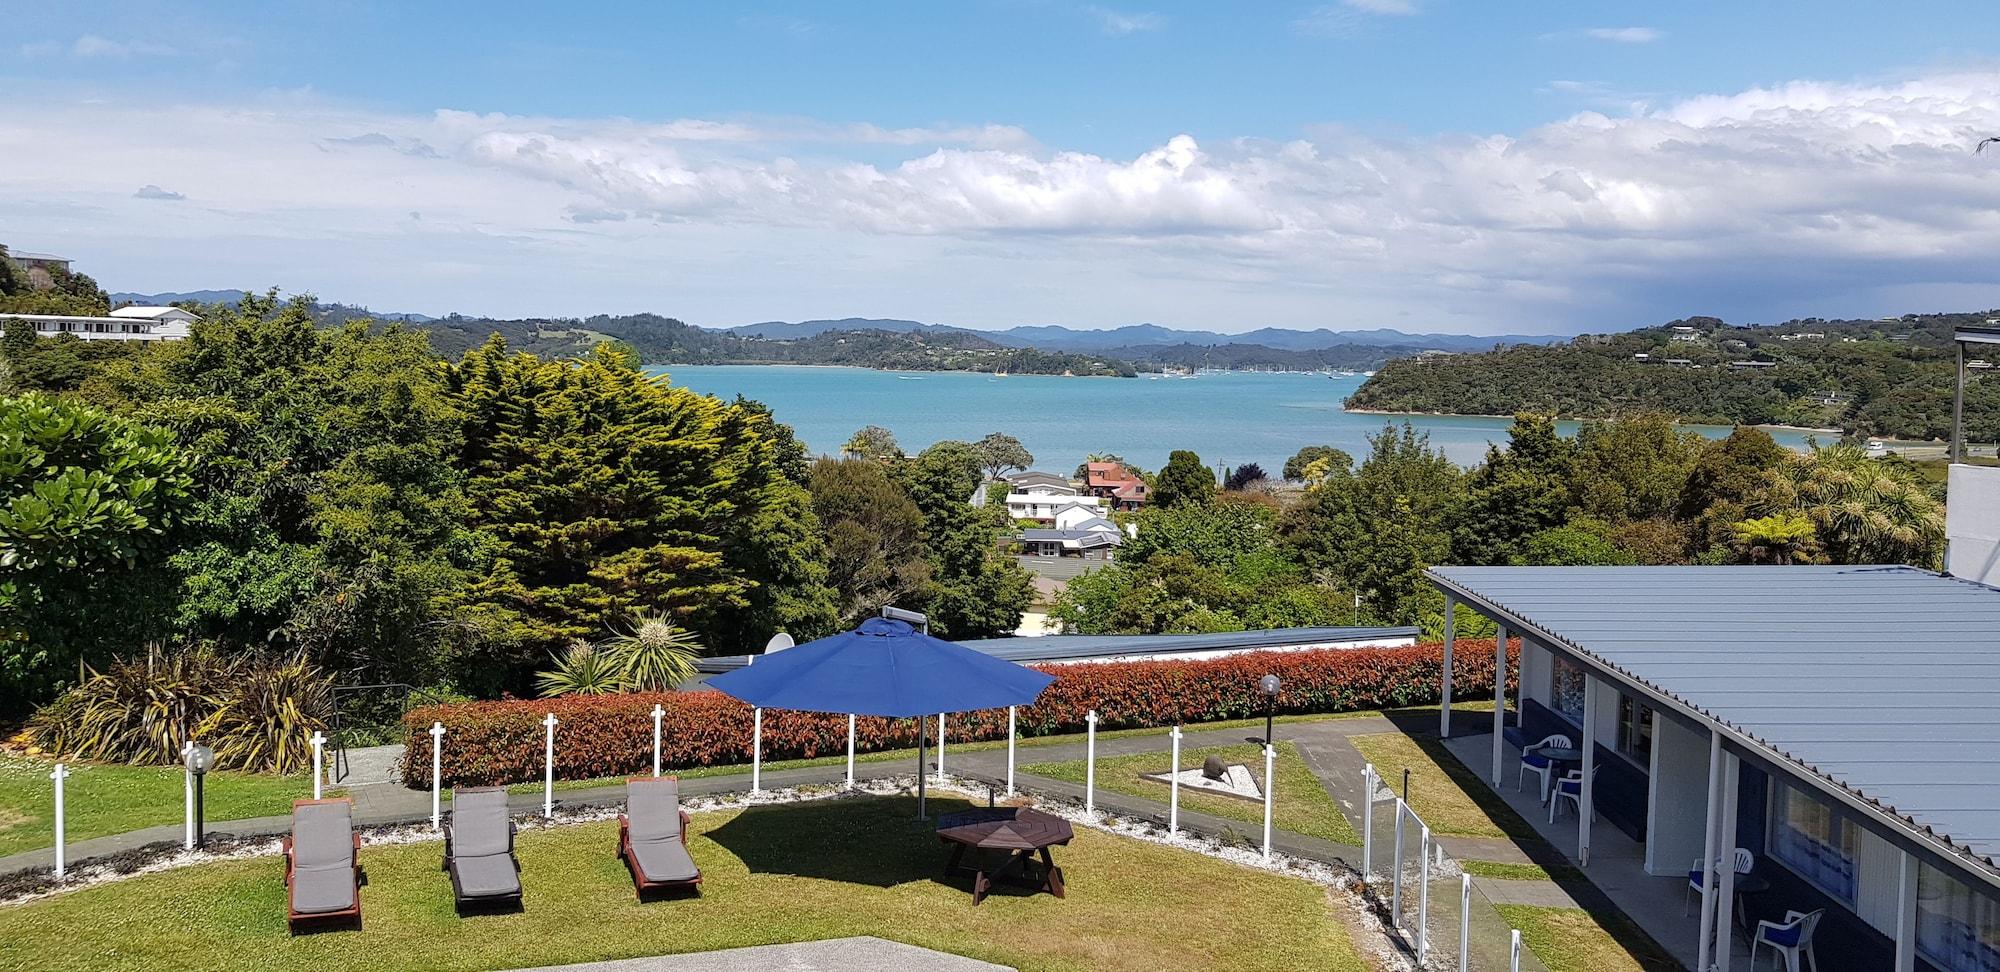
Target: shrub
{"x": 256, "y": 711}
{"x": 488, "y": 743}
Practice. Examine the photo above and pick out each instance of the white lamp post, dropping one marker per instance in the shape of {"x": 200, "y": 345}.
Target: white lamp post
{"x": 319, "y": 746}
{"x": 437, "y": 771}
{"x": 658, "y": 714}
{"x": 1270, "y": 789}
{"x": 549, "y": 766}
{"x": 200, "y": 759}
{"x": 187, "y": 793}
{"x": 61, "y": 773}
{"x": 1090, "y": 762}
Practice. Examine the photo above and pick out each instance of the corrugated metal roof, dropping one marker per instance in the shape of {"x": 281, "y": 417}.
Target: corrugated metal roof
{"x": 1882, "y": 680}
{"x": 1069, "y": 647}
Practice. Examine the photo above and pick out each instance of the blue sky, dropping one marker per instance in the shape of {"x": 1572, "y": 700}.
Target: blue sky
{"x": 1408, "y": 163}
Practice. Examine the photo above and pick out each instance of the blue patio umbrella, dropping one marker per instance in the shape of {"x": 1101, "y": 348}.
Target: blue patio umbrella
{"x": 883, "y": 668}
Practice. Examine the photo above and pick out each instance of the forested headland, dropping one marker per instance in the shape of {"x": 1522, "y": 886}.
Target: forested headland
{"x": 1882, "y": 378}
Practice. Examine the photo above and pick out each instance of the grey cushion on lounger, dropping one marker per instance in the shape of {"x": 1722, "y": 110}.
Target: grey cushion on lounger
{"x": 487, "y": 876}
{"x": 322, "y": 858}
{"x": 664, "y": 860}
{"x": 653, "y": 823}
{"x": 479, "y": 823}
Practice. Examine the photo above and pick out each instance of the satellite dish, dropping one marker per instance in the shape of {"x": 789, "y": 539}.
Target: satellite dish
{"x": 779, "y": 642}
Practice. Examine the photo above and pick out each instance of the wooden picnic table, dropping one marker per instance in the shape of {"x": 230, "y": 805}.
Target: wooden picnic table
{"x": 1020, "y": 832}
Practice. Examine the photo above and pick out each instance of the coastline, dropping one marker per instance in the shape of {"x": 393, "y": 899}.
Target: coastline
{"x": 1596, "y": 418}
{"x": 855, "y": 367}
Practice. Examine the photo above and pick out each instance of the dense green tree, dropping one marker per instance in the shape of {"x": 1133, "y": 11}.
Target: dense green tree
{"x": 874, "y": 538}
{"x": 1215, "y": 535}
{"x": 1727, "y": 475}
{"x": 974, "y": 591}
{"x": 1863, "y": 510}
{"x": 1577, "y": 544}
{"x": 873, "y": 442}
{"x": 1633, "y": 468}
{"x": 1000, "y": 453}
{"x": 1517, "y": 492}
{"x": 1374, "y": 532}
{"x": 1184, "y": 481}
{"x": 92, "y": 501}
{"x": 1336, "y": 463}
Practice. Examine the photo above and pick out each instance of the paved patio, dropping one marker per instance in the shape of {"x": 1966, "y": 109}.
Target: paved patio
{"x": 1617, "y": 862}
{"x": 861, "y": 954}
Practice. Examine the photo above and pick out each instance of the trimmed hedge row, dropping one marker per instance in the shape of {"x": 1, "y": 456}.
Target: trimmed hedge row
{"x": 488, "y": 743}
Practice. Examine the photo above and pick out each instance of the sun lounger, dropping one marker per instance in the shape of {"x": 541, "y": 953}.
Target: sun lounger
{"x": 652, "y": 835}
{"x": 479, "y": 848}
{"x": 322, "y": 873}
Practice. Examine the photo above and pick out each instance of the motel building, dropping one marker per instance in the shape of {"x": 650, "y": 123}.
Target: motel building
{"x": 1839, "y": 725}
{"x": 134, "y": 323}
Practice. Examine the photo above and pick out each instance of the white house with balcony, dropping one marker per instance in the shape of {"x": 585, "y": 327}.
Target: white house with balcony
{"x": 135, "y": 323}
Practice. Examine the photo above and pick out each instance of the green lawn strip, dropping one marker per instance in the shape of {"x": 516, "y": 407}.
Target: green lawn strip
{"x": 985, "y": 745}
{"x": 1302, "y": 805}
{"x": 100, "y": 800}
{"x": 801, "y": 872}
{"x": 1449, "y": 797}
{"x": 1519, "y": 871}
{"x": 1574, "y": 940}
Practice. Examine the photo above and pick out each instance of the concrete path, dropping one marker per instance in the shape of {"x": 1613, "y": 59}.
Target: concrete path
{"x": 862, "y": 954}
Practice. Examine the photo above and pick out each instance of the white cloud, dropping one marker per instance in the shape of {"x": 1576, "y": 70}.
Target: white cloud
{"x": 1119, "y": 23}
{"x": 1349, "y": 17}
{"x": 1392, "y": 8}
{"x": 94, "y": 46}
{"x": 1625, "y": 35}
{"x": 1803, "y": 198}
{"x": 151, "y": 191}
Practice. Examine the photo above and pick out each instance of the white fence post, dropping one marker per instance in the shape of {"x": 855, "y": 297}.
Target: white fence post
{"x": 1514, "y": 954}
{"x": 549, "y": 767}
{"x": 1464, "y": 920}
{"x": 1010, "y": 750}
{"x": 319, "y": 746}
{"x": 658, "y": 713}
{"x": 1174, "y": 786}
{"x": 850, "y": 750}
{"x": 61, "y": 773}
{"x": 756, "y": 751}
{"x": 1090, "y": 762}
{"x": 187, "y": 792}
{"x": 940, "y": 773}
{"x": 437, "y": 771}
{"x": 1270, "y": 792}
{"x": 1367, "y": 824}
{"x": 1424, "y": 898}
{"x": 1396, "y": 875}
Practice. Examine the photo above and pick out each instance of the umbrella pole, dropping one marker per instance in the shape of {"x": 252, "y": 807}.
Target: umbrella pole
{"x": 922, "y": 731}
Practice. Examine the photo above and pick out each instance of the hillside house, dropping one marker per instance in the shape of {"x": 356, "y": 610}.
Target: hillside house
{"x": 124, "y": 324}
{"x": 40, "y": 267}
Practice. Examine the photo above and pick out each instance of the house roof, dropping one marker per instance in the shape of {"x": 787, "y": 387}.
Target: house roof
{"x": 1092, "y": 537}
{"x": 147, "y": 312}
{"x": 1106, "y": 473}
{"x": 19, "y": 255}
{"x": 1050, "y": 648}
{"x": 1879, "y": 682}
{"x": 1035, "y": 476}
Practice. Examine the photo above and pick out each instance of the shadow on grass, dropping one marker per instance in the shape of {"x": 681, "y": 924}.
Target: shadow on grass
{"x": 878, "y": 842}
{"x": 1421, "y": 728}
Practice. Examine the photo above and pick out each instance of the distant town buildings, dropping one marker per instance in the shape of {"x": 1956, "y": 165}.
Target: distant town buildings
{"x": 40, "y": 267}
{"x": 1112, "y": 481}
{"x": 125, "y": 324}
{"x": 1803, "y": 336}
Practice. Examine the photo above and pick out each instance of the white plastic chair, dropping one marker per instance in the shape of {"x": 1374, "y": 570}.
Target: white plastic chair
{"x": 1570, "y": 788}
{"x": 1539, "y": 765}
{"x": 1795, "y": 935}
{"x": 1745, "y": 862}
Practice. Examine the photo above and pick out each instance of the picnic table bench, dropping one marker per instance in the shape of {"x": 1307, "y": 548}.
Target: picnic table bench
{"x": 1020, "y": 832}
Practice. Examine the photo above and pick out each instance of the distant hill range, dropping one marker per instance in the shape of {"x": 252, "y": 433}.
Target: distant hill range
{"x": 1056, "y": 337}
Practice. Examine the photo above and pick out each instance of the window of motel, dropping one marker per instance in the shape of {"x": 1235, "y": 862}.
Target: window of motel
{"x": 1813, "y": 840}
{"x": 1635, "y": 730}
{"x": 1566, "y": 689}
{"x": 1958, "y": 927}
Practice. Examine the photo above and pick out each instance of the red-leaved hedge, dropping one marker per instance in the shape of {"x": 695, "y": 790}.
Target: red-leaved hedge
{"x": 489, "y": 743}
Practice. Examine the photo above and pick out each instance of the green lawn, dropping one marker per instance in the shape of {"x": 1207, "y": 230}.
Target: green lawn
{"x": 1573, "y": 940}
{"x": 802, "y": 872}
{"x": 1302, "y": 805}
{"x": 102, "y": 800}
{"x": 1443, "y": 792}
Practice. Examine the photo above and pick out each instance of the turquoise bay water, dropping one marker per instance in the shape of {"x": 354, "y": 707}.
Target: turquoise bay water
{"x": 1230, "y": 418}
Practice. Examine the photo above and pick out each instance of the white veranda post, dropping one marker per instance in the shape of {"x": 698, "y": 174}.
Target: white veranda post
{"x": 1270, "y": 791}
{"x": 1450, "y": 641}
{"x": 437, "y": 771}
{"x": 1585, "y": 807}
{"x": 756, "y": 750}
{"x": 1174, "y": 785}
{"x": 658, "y": 714}
{"x": 319, "y": 746}
{"x": 61, "y": 773}
{"x": 1090, "y": 762}
{"x": 1708, "y": 850}
{"x": 1499, "y": 699}
{"x": 549, "y": 766}
{"x": 850, "y": 750}
{"x": 1010, "y": 750}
